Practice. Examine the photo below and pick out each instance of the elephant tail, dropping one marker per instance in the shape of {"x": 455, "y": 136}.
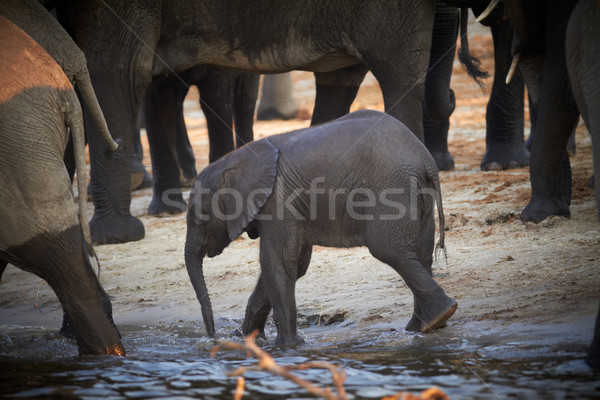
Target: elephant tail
{"x": 84, "y": 84}
{"x": 432, "y": 173}
{"x": 75, "y": 123}
{"x": 470, "y": 63}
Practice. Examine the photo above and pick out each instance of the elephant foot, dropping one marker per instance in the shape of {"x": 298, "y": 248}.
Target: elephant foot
{"x": 238, "y": 333}
{"x": 501, "y": 157}
{"x": 161, "y": 206}
{"x": 271, "y": 114}
{"x": 415, "y": 324}
{"x": 439, "y": 321}
{"x": 443, "y": 160}
{"x": 434, "y": 317}
{"x": 291, "y": 340}
{"x": 539, "y": 209}
{"x": 113, "y": 228}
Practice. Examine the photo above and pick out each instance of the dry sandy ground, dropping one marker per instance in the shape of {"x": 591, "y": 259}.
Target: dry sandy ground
{"x": 506, "y": 275}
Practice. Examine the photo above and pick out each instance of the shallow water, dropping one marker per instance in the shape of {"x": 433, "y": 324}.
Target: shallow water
{"x": 174, "y": 362}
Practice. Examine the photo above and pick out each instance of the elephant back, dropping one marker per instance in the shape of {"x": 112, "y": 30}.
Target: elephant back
{"x": 25, "y": 64}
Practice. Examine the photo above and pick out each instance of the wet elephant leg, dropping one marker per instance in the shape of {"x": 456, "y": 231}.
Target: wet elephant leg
{"x": 61, "y": 259}
{"x": 216, "y": 100}
{"x": 257, "y": 310}
{"x": 245, "y": 94}
{"x": 336, "y": 91}
{"x": 163, "y": 104}
{"x": 439, "y": 100}
{"x": 259, "y": 305}
{"x": 505, "y": 147}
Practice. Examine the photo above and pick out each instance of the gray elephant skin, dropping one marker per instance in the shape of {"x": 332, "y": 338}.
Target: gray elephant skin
{"x": 37, "y": 22}
{"x": 128, "y": 43}
{"x": 42, "y": 232}
{"x": 361, "y": 180}
{"x": 583, "y": 65}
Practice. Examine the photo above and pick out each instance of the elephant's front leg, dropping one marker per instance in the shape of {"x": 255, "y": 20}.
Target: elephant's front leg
{"x": 257, "y": 310}
{"x": 163, "y": 104}
{"x": 280, "y": 268}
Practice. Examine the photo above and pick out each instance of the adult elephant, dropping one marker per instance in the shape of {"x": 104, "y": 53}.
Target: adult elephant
{"x": 127, "y": 44}
{"x": 541, "y": 27}
{"x": 41, "y": 231}
{"x": 225, "y": 97}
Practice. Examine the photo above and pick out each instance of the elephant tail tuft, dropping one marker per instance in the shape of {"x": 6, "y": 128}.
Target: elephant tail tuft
{"x": 470, "y": 63}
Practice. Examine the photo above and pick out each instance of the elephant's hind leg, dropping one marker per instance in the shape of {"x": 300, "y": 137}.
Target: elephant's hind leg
{"x": 432, "y": 306}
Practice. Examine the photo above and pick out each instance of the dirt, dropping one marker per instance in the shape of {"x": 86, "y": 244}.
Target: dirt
{"x": 504, "y": 273}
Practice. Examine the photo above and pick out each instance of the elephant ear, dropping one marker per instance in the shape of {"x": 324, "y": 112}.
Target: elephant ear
{"x": 247, "y": 184}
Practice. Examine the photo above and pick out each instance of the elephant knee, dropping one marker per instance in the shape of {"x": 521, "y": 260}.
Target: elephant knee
{"x": 439, "y": 107}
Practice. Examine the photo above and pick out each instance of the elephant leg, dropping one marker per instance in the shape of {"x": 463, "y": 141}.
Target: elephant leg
{"x": 185, "y": 153}
{"x": 245, "y": 95}
{"x": 557, "y": 115}
{"x": 257, "y": 310}
{"x": 259, "y": 306}
{"x": 432, "y": 306}
{"x": 505, "y": 147}
{"x": 593, "y": 356}
{"x": 336, "y": 91}
{"x": 439, "y": 100}
{"x": 61, "y": 259}
{"x": 140, "y": 178}
{"x": 276, "y": 101}
{"x": 163, "y": 104}
{"x": 216, "y": 100}
{"x": 584, "y": 70}
{"x": 110, "y": 176}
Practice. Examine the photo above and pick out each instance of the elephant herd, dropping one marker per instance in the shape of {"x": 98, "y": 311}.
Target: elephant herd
{"x": 131, "y": 60}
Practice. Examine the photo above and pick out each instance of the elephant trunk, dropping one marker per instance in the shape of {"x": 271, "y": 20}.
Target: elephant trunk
{"x": 84, "y": 84}
{"x": 193, "y": 262}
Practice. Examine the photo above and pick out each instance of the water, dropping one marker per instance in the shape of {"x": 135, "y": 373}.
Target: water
{"x": 175, "y": 363}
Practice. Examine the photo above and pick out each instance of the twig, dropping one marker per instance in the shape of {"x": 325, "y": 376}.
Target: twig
{"x": 267, "y": 363}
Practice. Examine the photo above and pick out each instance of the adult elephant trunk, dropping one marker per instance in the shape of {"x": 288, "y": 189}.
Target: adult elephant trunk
{"x": 193, "y": 261}
{"x": 84, "y": 84}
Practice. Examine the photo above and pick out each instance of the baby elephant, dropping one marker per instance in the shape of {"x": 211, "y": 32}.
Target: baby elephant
{"x": 361, "y": 180}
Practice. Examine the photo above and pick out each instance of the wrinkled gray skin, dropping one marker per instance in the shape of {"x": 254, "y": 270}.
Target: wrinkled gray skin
{"x": 38, "y": 23}
{"x": 41, "y": 231}
{"x": 127, "y": 43}
{"x": 296, "y": 190}
{"x": 583, "y": 65}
